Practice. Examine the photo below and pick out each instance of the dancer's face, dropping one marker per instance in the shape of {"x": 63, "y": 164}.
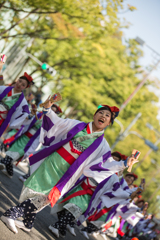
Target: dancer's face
{"x": 101, "y": 120}
{"x": 140, "y": 204}
{"x": 20, "y": 85}
{"x": 116, "y": 158}
{"x": 129, "y": 179}
{"x": 54, "y": 109}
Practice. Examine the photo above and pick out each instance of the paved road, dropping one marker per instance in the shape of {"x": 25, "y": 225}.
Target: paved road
{"x": 9, "y": 193}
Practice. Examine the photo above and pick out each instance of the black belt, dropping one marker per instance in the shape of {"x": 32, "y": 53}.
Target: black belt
{"x": 77, "y": 145}
{"x": 93, "y": 181}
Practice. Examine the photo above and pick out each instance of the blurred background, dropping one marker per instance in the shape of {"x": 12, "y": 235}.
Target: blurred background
{"x": 93, "y": 52}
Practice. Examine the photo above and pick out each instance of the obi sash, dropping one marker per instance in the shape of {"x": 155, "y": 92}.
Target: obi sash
{"x": 96, "y": 216}
{"x": 87, "y": 189}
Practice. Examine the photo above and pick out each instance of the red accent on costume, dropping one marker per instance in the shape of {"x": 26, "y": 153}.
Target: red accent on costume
{"x": 1, "y": 118}
{"x": 113, "y": 109}
{"x": 66, "y": 155}
{"x": 54, "y": 195}
{"x": 95, "y": 216}
{"x": 120, "y": 232}
{"x": 10, "y": 93}
{"x": 29, "y": 78}
{"x": 73, "y": 149}
{"x": 9, "y": 140}
{"x": 86, "y": 190}
{"x": 88, "y": 129}
{"x": 132, "y": 174}
{"x": 19, "y": 161}
{"x": 58, "y": 108}
{"x": 108, "y": 225}
{"x": 28, "y": 134}
{"x": 124, "y": 157}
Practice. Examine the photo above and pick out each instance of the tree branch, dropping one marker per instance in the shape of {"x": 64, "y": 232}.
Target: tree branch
{"x": 33, "y": 35}
{"x": 21, "y": 10}
{"x": 18, "y": 22}
{"x": 47, "y": 12}
{"x": 72, "y": 16}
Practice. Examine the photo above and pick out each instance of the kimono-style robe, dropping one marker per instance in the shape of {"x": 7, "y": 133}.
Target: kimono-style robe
{"x": 13, "y": 108}
{"x": 23, "y": 137}
{"x": 72, "y": 151}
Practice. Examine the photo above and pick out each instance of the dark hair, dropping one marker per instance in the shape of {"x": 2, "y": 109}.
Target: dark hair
{"x": 54, "y": 105}
{"x": 141, "y": 200}
{"x": 116, "y": 154}
{"x": 105, "y": 108}
{"x": 24, "y": 77}
{"x": 57, "y": 108}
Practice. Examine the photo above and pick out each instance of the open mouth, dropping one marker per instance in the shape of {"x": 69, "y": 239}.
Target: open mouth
{"x": 101, "y": 121}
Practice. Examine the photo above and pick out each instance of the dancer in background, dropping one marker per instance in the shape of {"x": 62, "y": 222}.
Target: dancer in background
{"x": 34, "y": 144}
{"x": 17, "y": 148}
{"x": 75, "y": 203}
{"x": 13, "y": 105}
{"x": 115, "y": 193}
{"x": 23, "y": 139}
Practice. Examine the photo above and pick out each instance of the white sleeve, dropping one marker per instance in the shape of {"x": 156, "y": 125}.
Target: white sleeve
{"x": 99, "y": 170}
{"x": 19, "y": 121}
{"x": 33, "y": 148}
{"x": 130, "y": 191}
{"x": 53, "y": 125}
{"x": 19, "y": 116}
{"x": 2, "y": 88}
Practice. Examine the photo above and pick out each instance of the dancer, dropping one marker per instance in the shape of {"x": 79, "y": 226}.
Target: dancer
{"x": 103, "y": 218}
{"x": 8, "y": 137}
{"x": 74, "y": 204}
{"x": 34, "y": 144}
{"x": 13, "y": 105}
{"x": 74, "y": 148}
{"x": 22, "y": 141}
{"x": 16, "y": 151}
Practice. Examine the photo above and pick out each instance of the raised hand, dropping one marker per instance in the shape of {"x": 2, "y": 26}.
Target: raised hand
{"x": 48, "y": 103}
{"x": 131, "y": 160}
{"x": 50, "y": 100}
{"x": 142, "y": 185}
{"x": 34, "y": 110}
{"x": 133, "y": 195}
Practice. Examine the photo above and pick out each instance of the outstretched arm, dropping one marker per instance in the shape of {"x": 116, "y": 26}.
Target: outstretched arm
{"x": 54, "y": 126}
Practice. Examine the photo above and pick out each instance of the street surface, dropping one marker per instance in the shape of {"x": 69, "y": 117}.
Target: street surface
{"x": 10, "y": 190}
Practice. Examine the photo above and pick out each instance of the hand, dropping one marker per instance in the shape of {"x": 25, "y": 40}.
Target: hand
{"x": 133, "y": 195}
{"x": 131, "y": 160}
{"x": 142, "y": 184}
{"x": 48, "y": 103}
{"x": 33, "y": 111}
